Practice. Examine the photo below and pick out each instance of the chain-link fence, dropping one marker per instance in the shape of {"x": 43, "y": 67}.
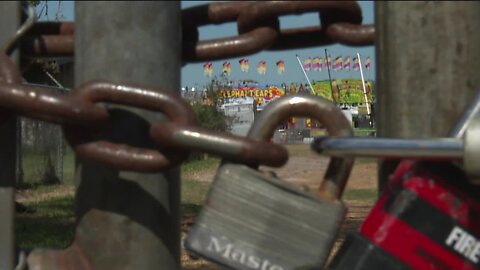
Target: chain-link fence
{"x": 41, "y": 150}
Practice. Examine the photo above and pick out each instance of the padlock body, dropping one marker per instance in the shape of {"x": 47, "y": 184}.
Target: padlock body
{"x": 254, "y": 221}
{"x": 428, "y": 218}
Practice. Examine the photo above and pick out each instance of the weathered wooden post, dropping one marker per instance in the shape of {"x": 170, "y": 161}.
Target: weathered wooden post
{"x": 427, "y": 67}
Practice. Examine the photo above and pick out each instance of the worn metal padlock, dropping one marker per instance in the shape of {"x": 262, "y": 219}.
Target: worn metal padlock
{"x": 254, "y": 221}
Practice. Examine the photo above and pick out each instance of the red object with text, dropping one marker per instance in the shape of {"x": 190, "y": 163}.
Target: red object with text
{"x": 427, "y": 218}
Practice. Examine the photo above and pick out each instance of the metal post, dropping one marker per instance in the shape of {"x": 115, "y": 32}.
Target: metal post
{"x": 327, "y": 63}
{"x": 428, "y": 59}
{"x": 126, "y": 220}
{"x": 304, "y": 73}
{"x": 10, "y": 21}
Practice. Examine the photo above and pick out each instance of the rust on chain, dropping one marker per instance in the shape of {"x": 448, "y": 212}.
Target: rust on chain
{"x": 345, "y": 11}
{"x": 243, "y": 44}
{"x": 341, "y": 21}
{"x": 125, "y": 157}
{"x": 258, "y": 28}
{"x": 246, "y": 43}
{"x": 49, "y": 45}
{"x": 227, "y": 146}
{"x": 42, "y": 104}
{"x": 344, "y": 33}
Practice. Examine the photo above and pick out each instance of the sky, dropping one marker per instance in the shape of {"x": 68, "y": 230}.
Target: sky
{"x": 192, "y": 75}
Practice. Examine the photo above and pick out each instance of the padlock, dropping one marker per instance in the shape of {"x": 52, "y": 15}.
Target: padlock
{"x": 427, "y": 218}
{"x": 251, "y": 220}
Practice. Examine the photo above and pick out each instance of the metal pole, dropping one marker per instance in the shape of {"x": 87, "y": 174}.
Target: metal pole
{"x": 428, "y": 59}
{"x": 363, "y": 84}
{"x": 304, "y": 73}
{"x": 127, "y": 220}
{"x": 10, "y": 20}
{"x": 327, "y": 61}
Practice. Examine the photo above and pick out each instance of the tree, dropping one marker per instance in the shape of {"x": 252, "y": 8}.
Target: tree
{"x": 208, "y": 114}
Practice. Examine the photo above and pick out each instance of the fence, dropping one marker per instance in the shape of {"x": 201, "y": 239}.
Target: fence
{"x": 41, "y": 150}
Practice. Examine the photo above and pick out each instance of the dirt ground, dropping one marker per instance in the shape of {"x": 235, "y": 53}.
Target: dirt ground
{"x": 302, "y": 170}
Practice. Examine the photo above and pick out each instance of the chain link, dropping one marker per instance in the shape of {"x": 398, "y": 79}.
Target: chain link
{"x": 81, "y": 118}
{"x": 257, "y": 23}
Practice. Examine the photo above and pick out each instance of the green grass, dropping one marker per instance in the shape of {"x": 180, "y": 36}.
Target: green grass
{"x": 193, "y": 196}
{"x": 369, "y": 195}
{"x": 32, "y": 164}
{"x": 194, "y": 192}
{"x": 51, "y": 225}
{"x": 198, "y": 165}
{"x": 359, "y": 132}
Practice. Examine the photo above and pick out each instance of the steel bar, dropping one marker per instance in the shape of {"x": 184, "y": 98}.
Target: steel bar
{"x": 440, "y": 148}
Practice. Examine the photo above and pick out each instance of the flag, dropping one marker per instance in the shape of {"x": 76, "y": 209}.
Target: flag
{"x": 262, "y": 67}
{"x": 346, "y": 63}
{"x": 337, "y": 65}
{"x": 281, "y": 67}
{"x": 320, "y": 64}
{"x": 208, "y": 69}
{"x": 356, "y": 64}
{"x": 244, "y": 66}
{"x": 367, "y": 63}
{"x": 227, "y": 68}
{"x": 316, "y": 64}
{"x": 307, "y": 64}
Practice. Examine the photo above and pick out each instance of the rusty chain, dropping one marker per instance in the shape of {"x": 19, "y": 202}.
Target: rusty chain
{"x": 257, "y": 23}
{"x": 81, "y": 118}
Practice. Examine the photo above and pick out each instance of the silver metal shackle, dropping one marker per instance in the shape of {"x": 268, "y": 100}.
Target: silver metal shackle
{"x": 324, "y": 111}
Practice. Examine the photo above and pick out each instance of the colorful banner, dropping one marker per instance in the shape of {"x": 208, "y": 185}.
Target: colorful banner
{"x": 345, "y": 90}
{"x": 307, "y": 64}
{"x": 227, "y": 69}
{"x": 261, "y": 94}
{"x": 356, "y": 64}
{"x": 244, "y": 65}
{"x": 317, "y": 64}
{"x": 208, "y": 69}
{"x": 367, "y": 63}
{"x": 281, "y": 67}
{"x": 337, "y": 65}
{"x": 346, "y": 64}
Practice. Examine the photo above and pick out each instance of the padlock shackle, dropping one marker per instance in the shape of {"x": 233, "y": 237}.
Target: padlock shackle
{"x": 324, "y": 111}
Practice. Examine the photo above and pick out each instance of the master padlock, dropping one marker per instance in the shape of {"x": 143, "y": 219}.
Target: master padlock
{"x": 251, "y": 220}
